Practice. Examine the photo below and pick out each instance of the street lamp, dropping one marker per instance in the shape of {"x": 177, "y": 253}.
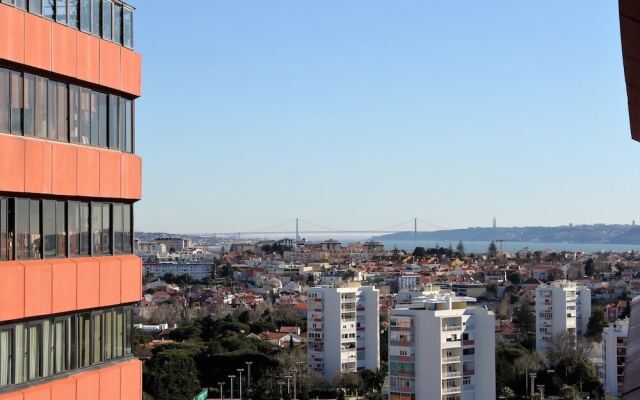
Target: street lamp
{"x": 541, "y": 390}
{"x": 294, "y": 371}
{"x": 288, "y": 382}
{"x": 240, "y": 371}
{"x": 231, "y": 379}
{"x": 248, "y": 373}
{"x": 221, "y": 385}
{"x": 280, "y": 383}
{"x": 301, "y": 369}
{"x": 532, "y": 375}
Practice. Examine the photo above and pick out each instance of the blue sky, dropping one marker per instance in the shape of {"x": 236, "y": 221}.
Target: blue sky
{"x": 364, "y": 114}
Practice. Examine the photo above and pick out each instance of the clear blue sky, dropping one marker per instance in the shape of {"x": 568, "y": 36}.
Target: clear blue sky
{"x": 362, "y": 114}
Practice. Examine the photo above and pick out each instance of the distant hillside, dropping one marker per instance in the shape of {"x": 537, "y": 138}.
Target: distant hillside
{"x": 600, "y": 233}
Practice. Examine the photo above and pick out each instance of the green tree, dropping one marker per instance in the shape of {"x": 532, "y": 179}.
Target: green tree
{"x": 171, "y": 374}
{"x": 507, "y": 393}
{"x": 525, "y": 316}
{"x": 493, "y": 250}
{"x": 419, "y": 252}
{"x": 460, "y": 249}
{"x": 596, "y": 324}
{"x": 514, "y": 277}
{"x": 588, "y": 267}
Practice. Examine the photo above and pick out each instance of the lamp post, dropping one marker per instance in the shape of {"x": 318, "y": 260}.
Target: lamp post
{"x": 294, "y": 371}
{"x": 288, "y": 382}
{"x": 240, "y": 371}
{"x": 300, "y": 365}
{"x": 541, "y": 390}
{"x": 221, "y": 385}
{"x": 280, "y": 383}
{"x": 231, "y": 379}
{"x": 532, "y": 375}
{"x": 248, "y": 374}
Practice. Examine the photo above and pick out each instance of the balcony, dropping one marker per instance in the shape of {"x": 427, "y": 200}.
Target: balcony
{"x": 449, "y": 328}
{"x": 451, "y": 359}
{"x": 451, "y": 374}
{"x": 401, "y": 343}
{"x": 452, "y": 389}
{"x": 469, "y": 372}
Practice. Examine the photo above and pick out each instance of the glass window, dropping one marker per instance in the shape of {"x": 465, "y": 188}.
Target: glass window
{"x": 84, "y": 343}
{"x": 19, "y": 342}
{"x": 22, "y": 228}
{"x": 84, "y": 229}
{"x": 96, "y": 227}
{"x": 85, "y": 15}
{"x": 122, "y": 120}
{"x": 52, "y": 110}
{"x": 72, "y": 8}
{"x": 61, "y": 11}
{"x": 6, "y": 357}
{"x": 60, "y": 334}
{"x": 63, "y": 116}
{"x": 35, "y": 241}
{"x": 108, "y": 335}
{"x": 95, "y": 17}
{"x": 128, "y": 126}
{"x": 127, "y": 332}
{"x": 34, "y": 351}
{"x": 128, "y": 28}
{"x": 28, "y": 112}
{"x": 97, "y": 338}
{"x": 4, "y": 233}
{"x": 49, "y": 9}
{"x": 4, "y": 101}
{"x": 7, "y": 2}
{"x": 41, "y": 107}
{"x": 113, "y": 122}
{"x": 117, "y": 23}
{"x": 74, "y": 228}
{"x": 74, "y": 342}
{"x": 85, "y": 116}
{"x": 127, "y": 231}
{"x": 21, "y": 4}
{"x": 95, "y": 118}
{"x": 35, "y": 6}
{"x": 102, "y": 120}
{"x": 54, "y": 216}
{"x": 106, "y": 229}
{"x": 16, "y": 103}
{"x": 118, "y": 227}
{"x": 74, "y": 114}
{"x": 107, "y": 10}
{"x": 118, "y": 344}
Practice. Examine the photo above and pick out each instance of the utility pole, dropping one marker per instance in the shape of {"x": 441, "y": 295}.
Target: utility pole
{"x": 221, "y": 385}
{"x": 532, "y": 375}
{"x": 231, "y": 379}
{"x": 240, "y": 370}
{"x": 297, "y": 232}
{"x": 415, "y": 229}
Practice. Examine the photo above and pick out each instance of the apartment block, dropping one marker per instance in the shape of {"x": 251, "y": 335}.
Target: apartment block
{"x": 343, "y": 325}
{"x": 441, "y": 347}
{"x": 561, "y": 307}
{"x": 614, "y": 342}
{"x": 69, "y": 178}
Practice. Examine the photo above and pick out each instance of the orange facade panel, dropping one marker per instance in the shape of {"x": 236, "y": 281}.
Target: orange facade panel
{"x": 64, "y": 169}
{"x": 122, "y": 381}
{"x": 47, "y": 45}
{"x": 37, "y": 39}
{"x": 43, "y": 287}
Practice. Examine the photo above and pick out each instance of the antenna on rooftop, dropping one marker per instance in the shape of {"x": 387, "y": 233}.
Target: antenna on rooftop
{"x": 495, "y": 224}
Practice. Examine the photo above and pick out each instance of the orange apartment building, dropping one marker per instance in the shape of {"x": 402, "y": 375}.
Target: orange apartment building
{"x": 69, "y": 178}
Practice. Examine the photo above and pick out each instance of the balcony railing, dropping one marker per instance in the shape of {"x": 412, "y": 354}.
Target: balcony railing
{"x": 447, "y": 328}
{"x": 452, "y": 374}
{"x": 452, "y": 389}
{"x": 451, "y": 359}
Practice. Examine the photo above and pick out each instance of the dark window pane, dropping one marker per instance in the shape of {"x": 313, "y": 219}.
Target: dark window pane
{"x": 95, "y": 119}
{"x": 11, "y": 228}
{"x": 84, "y": 229}
{"x": 96, "y": 227}
{"x": 61, "y": 228}
{"x": 61, "y": 11}
{"x": 73, "y": 13}
{"x": 95, "y": 17}
{"x": 74, "y": 342}
{"x": 22, "y": 228}
{"x": 102, "y": 120}
{"x": 84, "y": 325}
{"x": 62, "y": 117}
{"x": 128, "y": 126}
{"x": 49, "y": 10}
{"x": 29, "y": 105}
{"x": 49, "y": 228}
{"x": 118, "y": 226}
{"x": 122, "y": 120}
{"x": 127, "y": 332}
{"x": 106, "y": 229}
{"x": 85, "y": 116}
{"x": 128, "y": 28}
{"x": 74, "y": 228}
{"x": 127, "y": 229}
{"x": 107, "y": 9}
{"x": 85, "y": 15}
{"x": 74, "y": 114}
{"x": 35, "y": 241}
{"x": 117, "y": 24}
{"x": 16, "y": 103}
{"x": 41, "y": 107}
{"x": 113, "y": 122}
{"x": 35, "y": 6}
{"x": 4, "y": 101}
{"x": 3, "y": 229}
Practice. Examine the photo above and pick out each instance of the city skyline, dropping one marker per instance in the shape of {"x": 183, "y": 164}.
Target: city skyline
{"x": 365, "y": 100}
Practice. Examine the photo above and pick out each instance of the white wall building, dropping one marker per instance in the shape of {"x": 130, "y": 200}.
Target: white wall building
{"x": 614, "y": 341}
{"x": 561, "y": 306}
{"x": 196, "y": 271}
{"x": 408, "y": 281}
{"x": 343, "y": 325}
{"x": 442, "y": 348}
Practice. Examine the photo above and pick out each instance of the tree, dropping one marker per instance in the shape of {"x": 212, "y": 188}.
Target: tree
{"x": 596, "y": 324}
{"x": 507, "y": 393}
{"x": 419, "y": 252}
{"x": 460, "y": 249}
{"x": 588, "y": 267}
{"x": 514, "y": 277}
{"x": 493, "y": 250}
{"x": 171, "y": 373}
{"x": 525, "y": 316}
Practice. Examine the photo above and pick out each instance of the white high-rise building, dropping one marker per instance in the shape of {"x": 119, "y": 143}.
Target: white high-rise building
{"x": 561, "y": 307}
{"x": 343, "y": 325}
{"x": 614, "y": 342}
{"x": 441, "y": 348}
